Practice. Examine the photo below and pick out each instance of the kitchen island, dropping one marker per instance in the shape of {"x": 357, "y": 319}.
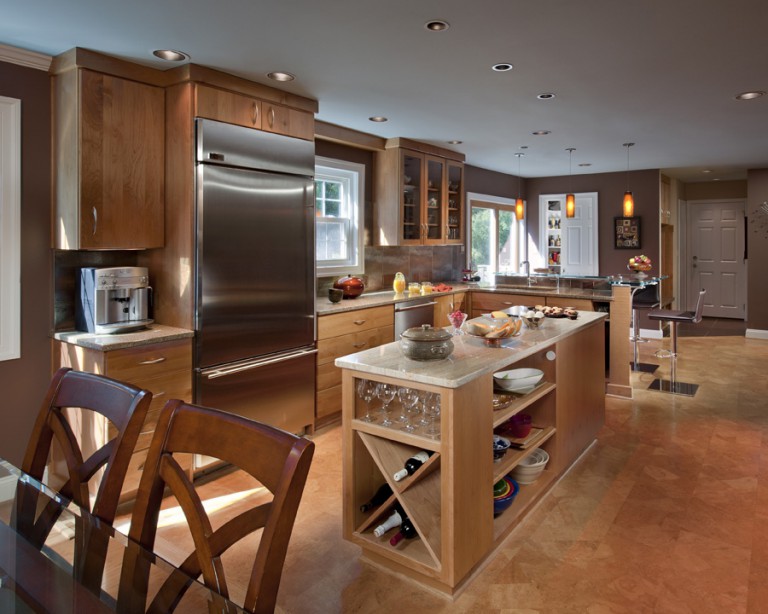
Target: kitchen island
{"x": 449, "y": 499}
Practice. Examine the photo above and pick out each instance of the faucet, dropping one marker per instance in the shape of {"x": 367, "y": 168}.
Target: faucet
{"x": 527, "y": 270}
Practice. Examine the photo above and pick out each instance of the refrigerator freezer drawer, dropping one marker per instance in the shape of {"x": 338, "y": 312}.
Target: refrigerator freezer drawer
{"x": 278, "y": 390}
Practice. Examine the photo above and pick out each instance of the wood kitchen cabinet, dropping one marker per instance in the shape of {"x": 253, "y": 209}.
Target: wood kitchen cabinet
{"x": 419, "y": 195}
{"x": 339, "y": 334}
{"x": 243, "y": 110}
{"x": 108, "y": 143}
{"x": 163, "y": 368}
{"x": 447, "y": 304}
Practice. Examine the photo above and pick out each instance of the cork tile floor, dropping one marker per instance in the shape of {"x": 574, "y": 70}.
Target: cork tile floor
{"x": 667, "y": 513}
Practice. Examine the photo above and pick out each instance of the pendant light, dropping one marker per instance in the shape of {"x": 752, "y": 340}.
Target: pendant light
{"x": 570, "y": 198}
{"x": 629, "y": 201}
{"x": 519, "y": 204}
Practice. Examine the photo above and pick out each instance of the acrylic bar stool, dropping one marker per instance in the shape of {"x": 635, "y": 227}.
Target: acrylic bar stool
{"x": 643, "y": 297}
{"x": 674, "y": 318}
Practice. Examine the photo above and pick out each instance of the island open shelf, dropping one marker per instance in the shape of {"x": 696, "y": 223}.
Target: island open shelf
{"x": 449, "y": 498}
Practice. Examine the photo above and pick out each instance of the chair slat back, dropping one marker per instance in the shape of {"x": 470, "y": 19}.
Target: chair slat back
{"x": 278, "y": 460}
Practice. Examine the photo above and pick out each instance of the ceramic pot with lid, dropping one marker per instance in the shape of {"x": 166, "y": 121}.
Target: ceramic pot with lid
{"x": 426, "y": 343}
{"x": 351, "y": 285}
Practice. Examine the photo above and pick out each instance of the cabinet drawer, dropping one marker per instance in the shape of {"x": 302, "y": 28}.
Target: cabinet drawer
{"x": 328, "y": 376}
{"x": 487, "y": 302}
{"x": 328, "y": 402}
{"x": 228, "y": 107}
{"x": 137, "y": 365}
{"x": 579, "y": 304}
{"x": 330, "y": 349}
{"x": 347, "y": 322}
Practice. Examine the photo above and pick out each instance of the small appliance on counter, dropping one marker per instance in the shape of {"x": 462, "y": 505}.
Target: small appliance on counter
{"x": 112, "y": 300}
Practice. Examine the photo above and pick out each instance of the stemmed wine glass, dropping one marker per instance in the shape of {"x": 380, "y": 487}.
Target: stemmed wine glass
{"x": 366, "y": 390}
{"x": 387, "y": 394}
{"x": 432, "y": 409}
{"x": 408, "y": 399}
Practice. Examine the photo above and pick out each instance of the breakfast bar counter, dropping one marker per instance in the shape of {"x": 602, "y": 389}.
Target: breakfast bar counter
{"x": 448, "y": 500}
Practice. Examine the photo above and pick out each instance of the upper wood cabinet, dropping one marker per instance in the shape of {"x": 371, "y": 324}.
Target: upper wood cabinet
{"x": 109, "y": 138}
{"x": 419, "y": 197}
{"x": 243, "y": 110}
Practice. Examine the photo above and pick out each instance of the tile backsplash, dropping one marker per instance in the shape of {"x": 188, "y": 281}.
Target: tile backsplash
{"x": 422, "y": 263}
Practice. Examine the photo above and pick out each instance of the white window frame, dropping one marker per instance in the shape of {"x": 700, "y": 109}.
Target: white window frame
{"x": 497, "y": 203}
{"x": 353, "y": 175}
{"x": 10, "y": 228}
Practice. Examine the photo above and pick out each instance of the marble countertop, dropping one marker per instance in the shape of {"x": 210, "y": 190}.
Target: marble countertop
{"x": 470, "y": 359}
{"x": 156, "y": 333}
{"x": 376, "y": 299}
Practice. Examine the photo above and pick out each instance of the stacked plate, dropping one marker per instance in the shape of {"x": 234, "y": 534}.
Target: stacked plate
{"x": 519, "y": 381}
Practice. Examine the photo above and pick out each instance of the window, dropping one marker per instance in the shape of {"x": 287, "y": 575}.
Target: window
{"x": 496, "y": 237}
{"x": 10, "y": 199}
{"x": 339, "y": 196}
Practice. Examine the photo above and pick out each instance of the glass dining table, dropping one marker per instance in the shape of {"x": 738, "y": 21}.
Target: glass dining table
{"x": 38, "y": 574}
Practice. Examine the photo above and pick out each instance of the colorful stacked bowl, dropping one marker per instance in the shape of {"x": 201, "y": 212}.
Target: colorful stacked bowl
{"x": 507, "y": 490}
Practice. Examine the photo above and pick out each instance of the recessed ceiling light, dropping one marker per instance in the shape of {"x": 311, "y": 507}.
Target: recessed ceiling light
{"x": 546, "y": 96}
{"x": 541, "y": 132}
{"x": 523, "y": 146}
{"x": 437, "y": 25}
{"x": 455, "y": 142}
{"x": 169, "y": 55}
{"x": 278, "y": 75}
{"x": 503, "y": 67}
{"x": 749, "y": 95}
{"x": 585, "y": 164}
{"x": 378, "y": 118}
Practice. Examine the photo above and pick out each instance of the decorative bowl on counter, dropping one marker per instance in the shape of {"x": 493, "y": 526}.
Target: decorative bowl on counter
{"x": 531, "y": 467}
{"x": 351, "y": 285}
{"x": 500, "y": 447}
{"x": 426, "y": 343}
{"x": 493, "y": 330}
{"x": 503, "y": 501}
{"x": 518, "y": 380}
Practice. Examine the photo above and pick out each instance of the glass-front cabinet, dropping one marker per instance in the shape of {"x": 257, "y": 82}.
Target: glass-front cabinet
{"x": 419, "y": 198}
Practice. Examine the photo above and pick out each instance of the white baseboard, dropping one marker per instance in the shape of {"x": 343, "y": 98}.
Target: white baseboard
{"x": 756, "y": 333}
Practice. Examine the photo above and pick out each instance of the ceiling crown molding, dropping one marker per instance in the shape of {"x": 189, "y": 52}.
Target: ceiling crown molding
{"x": 22, "y": 57}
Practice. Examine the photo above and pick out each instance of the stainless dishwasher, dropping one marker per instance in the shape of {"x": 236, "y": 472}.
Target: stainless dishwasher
{"x": 412, "y": 313}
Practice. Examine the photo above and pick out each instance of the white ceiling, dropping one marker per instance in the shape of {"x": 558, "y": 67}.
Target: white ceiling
{"x": 660, "y": 73}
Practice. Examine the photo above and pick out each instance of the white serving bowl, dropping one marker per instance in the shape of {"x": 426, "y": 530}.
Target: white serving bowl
{"x": 531, "y": 467}
{"x": 518, "y": 380}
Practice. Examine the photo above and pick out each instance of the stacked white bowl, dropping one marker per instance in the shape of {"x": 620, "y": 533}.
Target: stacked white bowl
{"x": 520, "y": 381}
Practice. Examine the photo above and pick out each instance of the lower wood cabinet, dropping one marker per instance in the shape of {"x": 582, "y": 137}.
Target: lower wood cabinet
{"x": 163, "y": 368}
{"x": 339, "y": 334}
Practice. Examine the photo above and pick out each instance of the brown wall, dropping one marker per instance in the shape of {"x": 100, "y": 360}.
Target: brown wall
{"x": 714, "y": 190}
{"x": 757, "y": 240}
{"x": 24, "y": 381}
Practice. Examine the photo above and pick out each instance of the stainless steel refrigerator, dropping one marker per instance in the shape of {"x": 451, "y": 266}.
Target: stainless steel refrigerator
{"x": 255, "y": 274}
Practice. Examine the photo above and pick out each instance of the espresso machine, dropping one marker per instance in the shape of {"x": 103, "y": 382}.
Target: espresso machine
{"x": 112, "y": 300}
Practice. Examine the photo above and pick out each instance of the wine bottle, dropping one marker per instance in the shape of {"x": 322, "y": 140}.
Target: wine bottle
{"x": 407, "y": 531}
{"x": 412, "y": 464}
{"x": 380, "y": 496}
{"x": 396, "y": 519}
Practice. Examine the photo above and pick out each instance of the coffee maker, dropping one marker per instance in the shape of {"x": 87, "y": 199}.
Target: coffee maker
{"x": 112, "y": 300}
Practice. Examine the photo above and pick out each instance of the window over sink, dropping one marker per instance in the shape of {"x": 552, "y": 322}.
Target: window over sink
{"x": 339, "y": 199}
{"x": 497, "y": 239}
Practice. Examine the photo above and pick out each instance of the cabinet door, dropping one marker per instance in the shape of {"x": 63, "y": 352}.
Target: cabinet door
{"x": 436, "y": 202}
{"x": 121, "y": 143}
{"x": 413, "y": 187}
{"x": 228, "y": 107}
{"x": 454, "y": 212}
{"x": 291, "y": 122}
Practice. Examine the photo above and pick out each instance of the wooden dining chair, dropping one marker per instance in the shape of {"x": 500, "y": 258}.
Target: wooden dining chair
{"x": 69, "y": 393}
{"x": 276, "y": 459}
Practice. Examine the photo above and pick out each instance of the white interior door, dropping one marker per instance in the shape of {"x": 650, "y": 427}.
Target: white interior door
{"x": 578, "y": 250}
{"x": 716, "y": 257}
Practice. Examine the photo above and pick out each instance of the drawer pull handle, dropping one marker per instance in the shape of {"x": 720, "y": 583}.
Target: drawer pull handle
{"x": 359, "y": 345}
{"x": 153, "y": 361}
{"x": 359, "y": 322}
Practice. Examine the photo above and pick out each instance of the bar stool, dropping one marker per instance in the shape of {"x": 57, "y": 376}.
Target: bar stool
{"x": 674, "y": 318}
{"x": 643, "y": 297}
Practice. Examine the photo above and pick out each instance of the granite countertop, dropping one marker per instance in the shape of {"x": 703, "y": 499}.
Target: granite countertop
{"x": 386, "y": 297}
{"x": 155, "y": 333}
{"x": 470, "y": 359}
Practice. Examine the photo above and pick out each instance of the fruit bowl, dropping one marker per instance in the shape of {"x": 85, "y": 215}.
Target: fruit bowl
{"x": 639, "y": 267}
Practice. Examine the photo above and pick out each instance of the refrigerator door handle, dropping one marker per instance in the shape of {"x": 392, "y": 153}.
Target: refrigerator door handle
{"x": 254, "y": 364}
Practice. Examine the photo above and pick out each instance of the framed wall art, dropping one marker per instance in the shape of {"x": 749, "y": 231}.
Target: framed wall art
{"x": 627, "y": 233}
